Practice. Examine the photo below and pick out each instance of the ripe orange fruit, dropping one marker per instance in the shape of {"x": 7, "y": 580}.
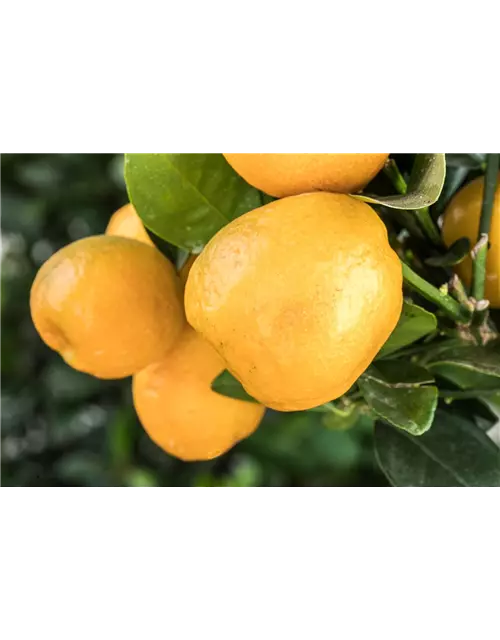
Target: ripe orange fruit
{"x": 126, "y": 223}
{"x": 179, "y": 410}
{"x": 287, "y": 174}
{"x": 298, "y": 297}
{"x": 109, "y": 305}
{"x": 461, "y": 219}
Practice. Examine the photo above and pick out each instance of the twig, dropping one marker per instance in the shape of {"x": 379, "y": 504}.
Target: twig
{"x": 480, "y": 251}
{"x": 429, "y": 292}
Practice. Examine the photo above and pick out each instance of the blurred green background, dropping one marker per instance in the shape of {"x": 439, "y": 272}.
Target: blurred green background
{"x": 63, "y": 428}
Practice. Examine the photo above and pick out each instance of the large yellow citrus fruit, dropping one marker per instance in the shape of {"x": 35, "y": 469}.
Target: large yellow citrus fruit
{"x": 109, "y": 305}
{"x": 126, "y": 223}
{"x": 179, "y": 410}
{"x": 298, "y": 297}
{"x": 461, "y": 219}
{"x": 287, "y": 174}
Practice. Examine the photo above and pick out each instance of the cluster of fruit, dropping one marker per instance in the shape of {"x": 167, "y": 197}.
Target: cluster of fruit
{"x": 294, "y": 298}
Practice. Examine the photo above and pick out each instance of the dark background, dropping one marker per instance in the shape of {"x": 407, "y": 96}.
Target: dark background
{"x": 60, "y": 427}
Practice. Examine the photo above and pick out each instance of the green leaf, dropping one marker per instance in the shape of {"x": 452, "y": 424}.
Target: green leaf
{"x": 475, "y": 410}
{"x": 227, "y": 385}
{"x": 455, "y": 254}
{"x": 185, "y": 198}
{"x": 454, "y": 453}
{"x": 414, "y": 323}
{"x": 424, "y": 187}
{"x": 455, "y": 177}
{"x": 465, "y": 160}
{"x": 340, "y": 421}
{"x": 393, "y": 390}
{"x": 468, "y": 366}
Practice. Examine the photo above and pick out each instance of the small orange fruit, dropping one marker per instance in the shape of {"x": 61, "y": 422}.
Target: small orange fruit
{"x": 297, "y": 297}
{"x": 288, "y": 174}
{"x": 109, "y": 305}
{"x": 179, "y": 410}
{"x": 126, "y": 223}
{"x": 461, "y": 220}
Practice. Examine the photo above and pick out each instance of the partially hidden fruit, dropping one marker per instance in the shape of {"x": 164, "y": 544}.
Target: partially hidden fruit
{"x": 287, "y": 174}
{"x": 298, "y": 297}
{"x": 109, "y": 305}
{"x": 461, "y": 219}
{"x": 179, "y": 410}
{"x": 126, "y": 223}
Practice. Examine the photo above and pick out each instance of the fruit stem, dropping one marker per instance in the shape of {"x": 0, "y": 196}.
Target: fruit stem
{"x": 431, "y": 293}
{"x": 423, "y": 216}
{"x": 480, "y": 251}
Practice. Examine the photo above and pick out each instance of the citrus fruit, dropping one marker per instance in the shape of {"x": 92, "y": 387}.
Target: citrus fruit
{"x": 298, "y": 297}
{"x": 461, "y": 220}
{"x": 179, "y": 410}
{"x": 109, "y": 305}
{"x": 286, "y": 174}
{"x": 126, "y": 223}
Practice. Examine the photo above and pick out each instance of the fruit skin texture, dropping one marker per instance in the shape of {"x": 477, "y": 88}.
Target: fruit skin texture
{"x": 109, "y": 305}
{"x": 298, "y": 297}
{"x": 461, "y": 219}
{"x": 179, "y": 410}
{"x": 126, "y": 223}
{"x": 287, "y": 174}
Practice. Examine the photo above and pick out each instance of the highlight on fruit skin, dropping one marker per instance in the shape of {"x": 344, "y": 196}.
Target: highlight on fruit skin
{"x": 461, "y": 219}
{"x": 126, "y": 223}
{"x": 297, "y": 297}
{"x": 109, "y": 305}
{"x": 287, "y": 174}
{"x": 179, "y": 410}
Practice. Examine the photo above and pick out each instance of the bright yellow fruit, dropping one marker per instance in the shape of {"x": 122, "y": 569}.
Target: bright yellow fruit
{"x": 126, "y": 223}
{"x": 179, "y": 410}
{"x": 298, "y": 297}
{"x": 109, "y": 305}
{"x": 461, "y": 219}
{"x": 287, "y": 174}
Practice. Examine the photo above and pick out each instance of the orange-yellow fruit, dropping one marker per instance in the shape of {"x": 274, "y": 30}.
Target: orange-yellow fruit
{"x": 287, "y": 174}
{"x": 109, "y": 305}
{"x": 179, "y": 410}
{"x": 126, "y": 223}
{"x": 461, "y": 220}
{"x": 298, "y": 297}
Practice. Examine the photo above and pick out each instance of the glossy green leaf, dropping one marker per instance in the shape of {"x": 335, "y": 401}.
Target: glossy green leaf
{"x": 455, "y": 254}
{"x": 414, "y": 323}
{"x": 454, "y": 453}
{"x": 424, "y": 187}
{"x": 468, "y": 366}
{"x": 396, "y": 392}
{"x": 185, "y": 198}
{"x": 227, "y": 385}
